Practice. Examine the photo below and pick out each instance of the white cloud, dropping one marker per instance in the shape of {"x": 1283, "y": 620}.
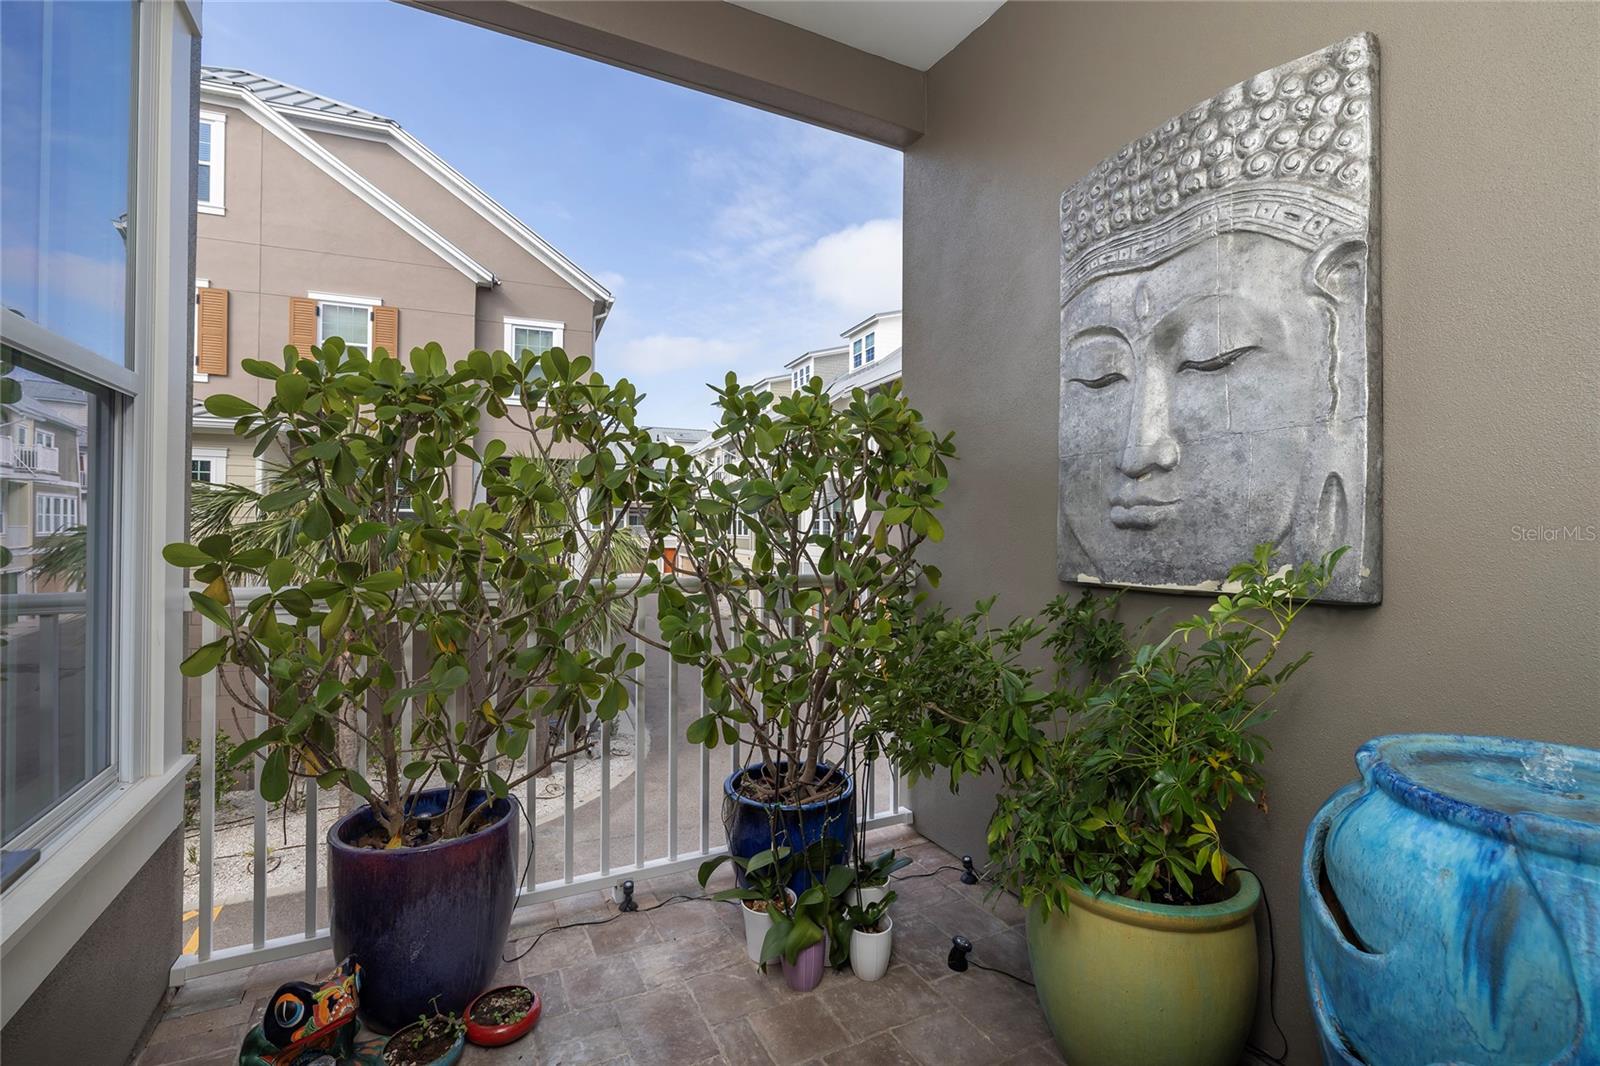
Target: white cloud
{"x": 857, "y": 269}
{"x": 662, "y": 353}
{"x": 611, "y": 280}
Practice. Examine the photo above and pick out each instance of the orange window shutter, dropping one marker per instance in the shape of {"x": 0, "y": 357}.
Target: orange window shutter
{"x": 386, "y": 329}
{"x": 211, "y": 346}
{"x": 302, "y": 323}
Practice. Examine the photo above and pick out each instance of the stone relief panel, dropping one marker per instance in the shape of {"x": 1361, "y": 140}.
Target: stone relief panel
{"x": 1220, "y": 372}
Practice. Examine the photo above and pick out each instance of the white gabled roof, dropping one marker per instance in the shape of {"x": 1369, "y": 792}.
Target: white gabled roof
{"x": 869, "y": 320}
{"x": 301, "y": 108}
{"x": 817, "y": 353}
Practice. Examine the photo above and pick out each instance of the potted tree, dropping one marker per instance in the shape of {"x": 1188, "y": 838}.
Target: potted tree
{"x": 408, "y": 657}
{"x": 788, "y": 561}
{"x": 1108, "y": 823}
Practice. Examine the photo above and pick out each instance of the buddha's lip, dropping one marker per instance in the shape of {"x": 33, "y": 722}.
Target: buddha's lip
{"x": 1141, "y": 501}
{"x": 1138, "y": 513}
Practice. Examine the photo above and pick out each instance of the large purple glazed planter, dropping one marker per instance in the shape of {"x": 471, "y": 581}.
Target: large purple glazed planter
{"x": 1450, "y": 905}
{"x": 427, "y": 924}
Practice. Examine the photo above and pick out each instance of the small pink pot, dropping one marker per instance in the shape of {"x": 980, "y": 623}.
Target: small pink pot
{"x": 806, "y": 973}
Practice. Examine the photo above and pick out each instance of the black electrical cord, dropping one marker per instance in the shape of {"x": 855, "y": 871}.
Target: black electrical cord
{"x": 599, "y": 921}
{"x": 929, "y": 873}
{"x": 1272, "y": 979}
{"x": 1002, "y": 973}
{"x": 578, "y": 925}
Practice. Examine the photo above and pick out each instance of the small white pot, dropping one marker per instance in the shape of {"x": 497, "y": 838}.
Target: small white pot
{"x": 756, "y": 924}
{"x": 866, "y": 897}
{"x": 869, "y": 952}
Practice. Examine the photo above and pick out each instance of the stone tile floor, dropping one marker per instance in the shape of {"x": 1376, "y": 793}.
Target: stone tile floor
{"x": 672, "y": 987}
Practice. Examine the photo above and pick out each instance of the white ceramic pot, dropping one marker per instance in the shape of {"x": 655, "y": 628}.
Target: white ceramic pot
{"x": 869, "y": 952}
{"x": 866, "y": 897}
{"x": 756, "y": 924}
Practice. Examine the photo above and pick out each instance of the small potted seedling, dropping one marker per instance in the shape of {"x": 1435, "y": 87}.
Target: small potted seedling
{"x": 764, "y": 895}
{"x": 872, "y": 878}
{"x": 871, "y": 937}
{"x": 502, "y": 1015}
{"x": 435, "y": 1040}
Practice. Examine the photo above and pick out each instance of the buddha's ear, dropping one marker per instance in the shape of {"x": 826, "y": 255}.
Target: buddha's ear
{"x": 1338, "y": 269}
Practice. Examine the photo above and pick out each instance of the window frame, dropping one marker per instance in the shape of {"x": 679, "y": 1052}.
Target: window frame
{"x": 218, "y": 457}
{"x": 216, "y": 204}
{"x": 871, "y": 346}
{"x": 855, "y": 354}
{"x": 93, "y": 842}
{"x": 65, "y": 501}
{"x": 338, "y": 300}
{"x": 557, "y": 331}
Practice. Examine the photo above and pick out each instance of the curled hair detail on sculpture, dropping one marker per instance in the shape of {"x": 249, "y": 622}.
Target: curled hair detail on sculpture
{"x": 1286, "y": 153}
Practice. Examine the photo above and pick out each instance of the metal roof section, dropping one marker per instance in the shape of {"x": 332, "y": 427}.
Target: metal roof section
{"x": 282, "y": 94}
{"x": 877, "y": 372}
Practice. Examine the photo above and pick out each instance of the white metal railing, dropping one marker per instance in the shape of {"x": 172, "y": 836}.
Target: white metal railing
{"x": 206, "y": 957}
{"x": 37, "y": 458}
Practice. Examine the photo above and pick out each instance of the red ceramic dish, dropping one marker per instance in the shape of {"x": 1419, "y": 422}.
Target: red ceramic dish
{"x": 497, "y": 1035}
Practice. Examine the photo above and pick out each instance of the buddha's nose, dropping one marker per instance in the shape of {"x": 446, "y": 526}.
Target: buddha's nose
{"x": 1149, "y": 446}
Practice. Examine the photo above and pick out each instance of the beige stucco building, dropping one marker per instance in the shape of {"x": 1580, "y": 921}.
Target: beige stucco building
{"x": 316, "y": 218}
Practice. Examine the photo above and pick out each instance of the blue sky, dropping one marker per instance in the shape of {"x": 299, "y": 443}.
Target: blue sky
{"x": 733, "y": 239}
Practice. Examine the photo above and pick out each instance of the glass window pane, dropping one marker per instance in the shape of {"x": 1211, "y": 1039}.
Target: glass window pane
{"x": 66, "y": 87}
{"x": 347, "y": 321}
{"x": 538, "y": 341}
{"x": 203, "y": 145}
{"x": 203, "y": 182}
{"x": 53, "y": 705}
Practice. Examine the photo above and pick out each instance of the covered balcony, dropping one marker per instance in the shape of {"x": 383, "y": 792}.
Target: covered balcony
{"x": 1180, "y": 280}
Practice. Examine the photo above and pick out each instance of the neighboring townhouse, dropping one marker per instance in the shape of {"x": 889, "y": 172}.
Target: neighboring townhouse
{"x": 318, "y": 219}
{"x": 824, "y": 363}
{"x": 44, "y": 460}
{"x": 874, "y": 347}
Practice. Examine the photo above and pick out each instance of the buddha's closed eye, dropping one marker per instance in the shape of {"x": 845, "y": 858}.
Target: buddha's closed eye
{"x": 1100, "y": 382}
{"x": 1220, "y": 362}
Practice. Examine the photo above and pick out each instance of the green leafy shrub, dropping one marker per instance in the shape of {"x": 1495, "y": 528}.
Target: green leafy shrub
{"x": 511, "y": 594}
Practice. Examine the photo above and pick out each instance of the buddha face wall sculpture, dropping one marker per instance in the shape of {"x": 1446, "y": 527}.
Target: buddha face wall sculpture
{"x": 1219, "y": 338}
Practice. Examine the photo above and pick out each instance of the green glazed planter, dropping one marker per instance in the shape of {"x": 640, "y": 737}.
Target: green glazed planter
{"x": 1122, "y": 981}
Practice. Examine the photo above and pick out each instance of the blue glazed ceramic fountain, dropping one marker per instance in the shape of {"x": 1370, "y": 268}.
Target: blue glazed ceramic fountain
{"x": 1450, "y": 905}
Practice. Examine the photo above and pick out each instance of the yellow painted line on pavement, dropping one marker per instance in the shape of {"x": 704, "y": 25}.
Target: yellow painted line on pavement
{"x": 192, "y": 945}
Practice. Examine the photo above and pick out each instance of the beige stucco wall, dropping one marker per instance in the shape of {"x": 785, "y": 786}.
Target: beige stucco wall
{"x": 290, "y": 230}
{"x": 1491, "y": 307}
{"x": 527, "y": 289}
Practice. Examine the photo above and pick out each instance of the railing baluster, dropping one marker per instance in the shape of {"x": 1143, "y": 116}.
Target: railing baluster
{"x": 705, "y": 780}
{"x": 638, "y": 756}
{"x": 567, "y": 818}
{"x": 530, "y": 875}
{"x": 258, "y": 919}
{"x": 672, "y": 759}
{"x": 311, "y": 858}
{"x": 605, "y": 797}
{"x": 208, "y": 791}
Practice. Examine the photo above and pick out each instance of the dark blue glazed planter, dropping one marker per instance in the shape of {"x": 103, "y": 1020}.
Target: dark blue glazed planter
{"x": 1450, "y": 905}
{"x": 754, "y": 827}
{"x": 425, "y": 923}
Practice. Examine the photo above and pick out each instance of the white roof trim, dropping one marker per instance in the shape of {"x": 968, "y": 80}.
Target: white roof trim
{"x": 424, "y": 159}
{"x": 869, "y": 320}
{"x": 272, "y": 119}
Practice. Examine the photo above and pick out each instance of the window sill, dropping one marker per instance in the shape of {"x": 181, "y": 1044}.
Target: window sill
{"x": 210, "y": 209}
{"x": 88, "y": 863}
